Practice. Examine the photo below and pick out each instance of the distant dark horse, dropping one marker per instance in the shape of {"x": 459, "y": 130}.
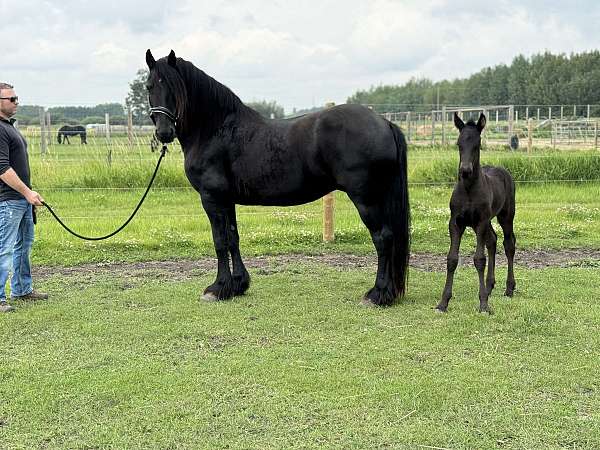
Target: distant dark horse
{"x": 234, "y": 156}
{"x": 71, "y": 130}
{"x": 481, "y": 194}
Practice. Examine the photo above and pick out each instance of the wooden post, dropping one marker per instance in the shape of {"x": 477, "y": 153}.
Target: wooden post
{"x": 561, "y": 112}
{"x": 43, "y": 143}
{"x": 538, "y": 114}
{"x": 511, "y": 115}
{"x": 527, "y": 113}
{"x": 433, "y": 113}
{"x": 517, "y": 116}
{"x": 496, "y": 117}
{"x": 443, "y": 125}
{"x": 107, "y": 133}
{"x": 48, "y": 128}
{"x": 130, "y": 127}
{"x": 596, "y": 135}
{"x": 588, "y": 112}
{"x": 408, "y": 127}
{"x": 328, "y": 208}
{"x": 550, "y": 112}
{"x": 529, "y": 135}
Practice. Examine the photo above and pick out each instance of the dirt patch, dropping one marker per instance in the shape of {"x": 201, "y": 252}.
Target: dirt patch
{"x": 188, "y": 269}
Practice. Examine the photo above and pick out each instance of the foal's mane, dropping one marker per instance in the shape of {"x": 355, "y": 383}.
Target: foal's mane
{"x": 201, "y": 100}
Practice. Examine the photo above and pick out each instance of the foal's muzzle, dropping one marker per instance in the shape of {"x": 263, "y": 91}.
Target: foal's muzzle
{"x": 466, "y": 170}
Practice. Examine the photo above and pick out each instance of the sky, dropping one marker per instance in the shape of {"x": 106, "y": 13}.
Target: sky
{"x": 299, "y": 53}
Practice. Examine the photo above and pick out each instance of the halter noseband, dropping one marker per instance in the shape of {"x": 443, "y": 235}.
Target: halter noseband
{"x": 165, "y": 111}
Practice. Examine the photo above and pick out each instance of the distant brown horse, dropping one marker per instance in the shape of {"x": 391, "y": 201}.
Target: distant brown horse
{"x": 480, "y": 194}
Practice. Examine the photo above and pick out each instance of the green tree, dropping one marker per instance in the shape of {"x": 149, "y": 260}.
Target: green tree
{"x": 137, "y": 98}
{"x": 267, "y": 109}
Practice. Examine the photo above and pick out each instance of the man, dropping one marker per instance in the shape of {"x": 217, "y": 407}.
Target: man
{"x": 16, "y": 200}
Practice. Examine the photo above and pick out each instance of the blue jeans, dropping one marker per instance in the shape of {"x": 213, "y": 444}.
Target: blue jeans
{"x": 16, "y": 239}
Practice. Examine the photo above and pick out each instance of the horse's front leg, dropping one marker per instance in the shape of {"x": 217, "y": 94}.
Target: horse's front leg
{"x": 218, "y": 215}
{"x": 479, "y": 260}
{"x": 241, "y": 277}
{"x": 456, "y": 232}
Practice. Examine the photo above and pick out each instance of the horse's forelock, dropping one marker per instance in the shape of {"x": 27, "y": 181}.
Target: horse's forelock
{"x": 174, "y": 81}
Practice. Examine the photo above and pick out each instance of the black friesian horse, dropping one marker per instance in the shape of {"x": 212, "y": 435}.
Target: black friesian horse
{"x": 71, "y": 130}
{"x": 234, "y": 156}
{"x": 480, "y": 194}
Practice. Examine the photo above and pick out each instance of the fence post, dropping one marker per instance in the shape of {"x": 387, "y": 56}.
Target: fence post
{"x": 130, "y": 126}
{"x": 529, "y": 135}
{"x": 588, "y": 112}
{"x": 107, "y": 132}
{"x": 484, "y": 133}
{"x": 433, "y": 113}
{"x": 408, "y": 126}
{"x": 328, "y": 208}
{"x": 443, "y": 125}
{"x": 596, "y": 135}
{"x": 48, "y": 127}
{"x": 511, "y": 114}
{"x": 43, "y": 143}
{"x": 538, "y": 114}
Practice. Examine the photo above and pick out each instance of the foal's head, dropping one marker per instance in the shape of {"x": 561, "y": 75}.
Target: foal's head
{"x": 469, "y": 145}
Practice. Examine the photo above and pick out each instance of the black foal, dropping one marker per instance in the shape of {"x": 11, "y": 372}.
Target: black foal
{"x": 480, "y": 194}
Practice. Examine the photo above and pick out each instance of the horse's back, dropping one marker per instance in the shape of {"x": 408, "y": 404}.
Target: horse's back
{"x": 501, "y": 182}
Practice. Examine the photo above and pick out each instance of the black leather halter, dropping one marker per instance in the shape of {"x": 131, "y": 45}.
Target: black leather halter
{"x": 165, "y": 111}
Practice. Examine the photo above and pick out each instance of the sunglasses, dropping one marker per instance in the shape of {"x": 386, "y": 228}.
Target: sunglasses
{"x": 14, "y": 99}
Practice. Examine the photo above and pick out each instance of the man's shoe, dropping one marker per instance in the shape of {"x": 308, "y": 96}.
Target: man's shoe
{"x": 5, "y": 307}
{"x": 33, "y": 295}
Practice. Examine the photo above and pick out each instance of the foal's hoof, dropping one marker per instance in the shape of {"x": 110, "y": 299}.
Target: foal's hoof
{"x": 368, "y": 303}
{"x": 440, "y": 310}
{"x": 508, "y": 293}
{"x": 209, "y": 297}
{"x": 486, "y": 310}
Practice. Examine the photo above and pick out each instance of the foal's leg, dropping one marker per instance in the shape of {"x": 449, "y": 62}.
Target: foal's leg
{"x": 241, "y": 277}
{"x": 506, "y": 222}
{"x": 456, "y": 233}
{"x": 490, "y": 243}
{"x": 218, "y": 215}
{"x": 479, "y": 261}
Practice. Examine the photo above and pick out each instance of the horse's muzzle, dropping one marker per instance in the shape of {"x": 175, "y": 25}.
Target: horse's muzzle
{"x": 166, "y": 137}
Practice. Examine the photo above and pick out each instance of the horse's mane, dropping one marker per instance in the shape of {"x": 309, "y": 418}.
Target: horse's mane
{"x": 201, "y": 100}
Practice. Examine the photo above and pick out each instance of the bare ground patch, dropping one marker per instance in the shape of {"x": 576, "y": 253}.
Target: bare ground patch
{"x": 188, "y": 269}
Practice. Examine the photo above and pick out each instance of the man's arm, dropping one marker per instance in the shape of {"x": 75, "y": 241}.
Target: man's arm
{"x": 11, "y": 178}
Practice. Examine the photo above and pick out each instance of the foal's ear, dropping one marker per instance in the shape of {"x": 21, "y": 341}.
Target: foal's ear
{"x": 458, "y": 123}
{"x": 172, "y": 59}
{"x": 150, "y": 59}
{"x": 481, "y": 122}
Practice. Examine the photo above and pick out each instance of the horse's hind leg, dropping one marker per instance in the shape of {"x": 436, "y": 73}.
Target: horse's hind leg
{"x": 384, "y": 292}
{"x": 490, "y": 243}
{"x": 456, "y": 233}
{"x": 506, "y": 222}
{"x": 241, "y": 277}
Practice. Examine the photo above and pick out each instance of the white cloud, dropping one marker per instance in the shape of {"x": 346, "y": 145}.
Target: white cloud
{"x": 299, "y": 54}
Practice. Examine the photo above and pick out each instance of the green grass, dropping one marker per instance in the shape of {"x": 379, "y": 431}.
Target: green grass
{"x": 126, "y": 362}
{"x": 133, "y": 360}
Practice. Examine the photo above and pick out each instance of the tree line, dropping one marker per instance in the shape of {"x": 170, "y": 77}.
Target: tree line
{"x": 542, "y": 79}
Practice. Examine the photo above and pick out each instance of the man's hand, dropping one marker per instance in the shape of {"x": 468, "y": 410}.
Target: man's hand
{"x": 34, "y": 198}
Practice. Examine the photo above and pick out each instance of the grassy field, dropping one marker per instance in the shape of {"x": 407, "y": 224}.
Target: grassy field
{"x": 129, "y": 358}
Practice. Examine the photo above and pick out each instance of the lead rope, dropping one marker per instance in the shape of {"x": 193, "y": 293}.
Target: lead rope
{"x": 162, "y": 154}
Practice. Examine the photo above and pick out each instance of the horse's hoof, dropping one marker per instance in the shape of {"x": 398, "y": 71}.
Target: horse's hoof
{"x": 209, "y": 297}
{"x": 368, "y": 303}
{"x": 439, "y": 310}
{"x": 508, "y": 293}
{"x": 487, "y": 310}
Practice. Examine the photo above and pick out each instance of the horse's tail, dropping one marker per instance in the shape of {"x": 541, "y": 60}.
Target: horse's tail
{"x": 398, "y": 212}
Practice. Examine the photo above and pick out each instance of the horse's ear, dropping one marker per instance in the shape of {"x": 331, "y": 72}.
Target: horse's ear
{"x": 172, "y": 59}
{"x": 481, "y": 122}
{"x": 150, "y": 59}
{"x": 458, "y": 123}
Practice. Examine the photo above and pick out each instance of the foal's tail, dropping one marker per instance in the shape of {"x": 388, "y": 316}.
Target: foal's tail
{"x": 398, "y": 214}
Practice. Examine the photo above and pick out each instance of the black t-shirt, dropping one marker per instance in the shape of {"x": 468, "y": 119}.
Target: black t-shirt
{"x": 13, "y": 154}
